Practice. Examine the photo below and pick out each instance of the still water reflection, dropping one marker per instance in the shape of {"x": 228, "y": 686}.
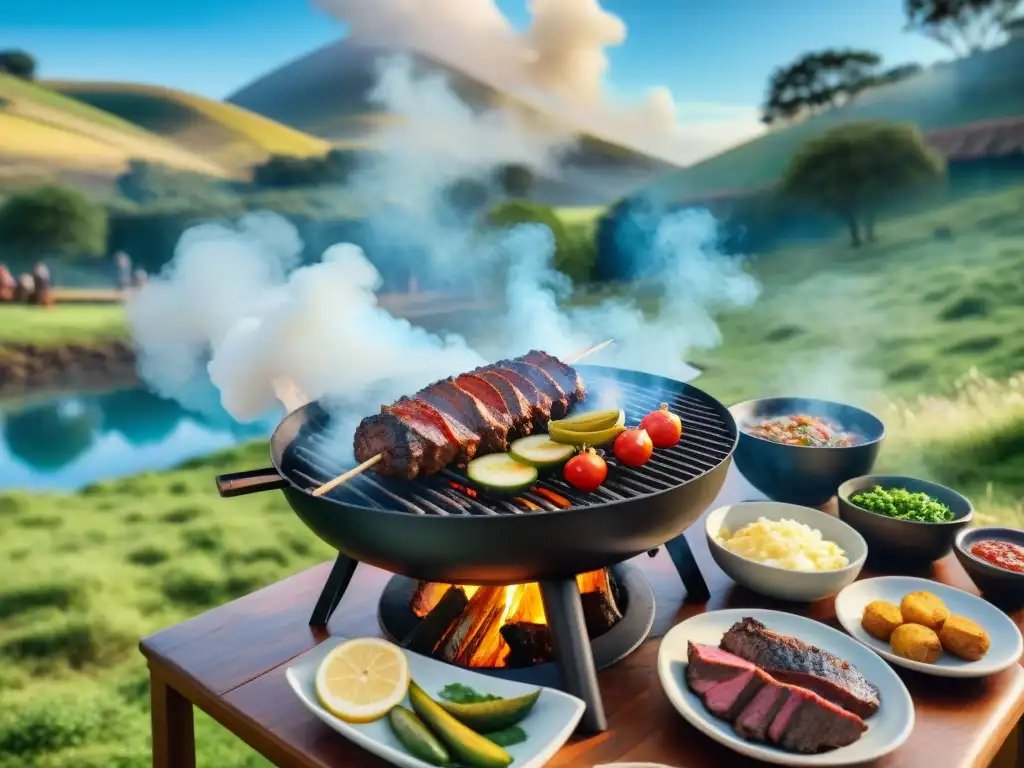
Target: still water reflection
{"x": 67, "y": 442}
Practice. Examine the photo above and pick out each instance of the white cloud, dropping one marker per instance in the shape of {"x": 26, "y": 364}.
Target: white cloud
{"x": 558, "y": 62}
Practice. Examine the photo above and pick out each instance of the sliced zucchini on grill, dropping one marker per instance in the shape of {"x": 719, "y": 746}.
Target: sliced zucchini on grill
{"x": 501, "y": 473}
{"x": 541, "y": 451}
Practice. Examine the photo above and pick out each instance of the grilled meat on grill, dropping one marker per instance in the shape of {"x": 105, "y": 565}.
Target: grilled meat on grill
{"x": 790, "y": 660}
{"x": 458, "y": 418}
{"x": 763, "y": 709}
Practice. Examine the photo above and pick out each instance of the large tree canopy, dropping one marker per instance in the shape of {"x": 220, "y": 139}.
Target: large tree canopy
{"x": 856, "y": 170}
{"x": 963, "y": 26}
{"x": 818, "y": 81}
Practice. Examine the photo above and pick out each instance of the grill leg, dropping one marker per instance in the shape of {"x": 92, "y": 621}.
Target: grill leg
{"x": 571, "y": 645}
{"x": 334, "y": 589}
{"x": 686, "y": 566}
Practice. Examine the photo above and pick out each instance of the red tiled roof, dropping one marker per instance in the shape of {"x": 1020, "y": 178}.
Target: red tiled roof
{"x": 983, "y": 139}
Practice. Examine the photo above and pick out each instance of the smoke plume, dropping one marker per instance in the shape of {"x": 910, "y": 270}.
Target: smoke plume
{"x": 558, "y": 64}
{"x": 235, "y": 308}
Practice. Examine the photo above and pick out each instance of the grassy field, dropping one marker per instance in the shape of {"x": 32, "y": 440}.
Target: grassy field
{"x": 46, "y": 128}
{"x": 62, "y": 324}
{"x": 232, "y": 136}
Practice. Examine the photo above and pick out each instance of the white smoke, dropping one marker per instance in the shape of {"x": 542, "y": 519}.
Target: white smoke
{"x": 558, "y": 64}
{"x": 233, "y": 308}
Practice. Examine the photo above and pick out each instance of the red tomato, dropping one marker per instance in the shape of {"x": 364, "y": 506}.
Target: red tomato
{"x": 585, "y": 471}
{"x": 633, "y": 447}
{"x": 663, "y": 426}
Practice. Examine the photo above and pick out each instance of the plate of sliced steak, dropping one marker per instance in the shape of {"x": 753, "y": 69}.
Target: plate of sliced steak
{"x": 783, "y": 688}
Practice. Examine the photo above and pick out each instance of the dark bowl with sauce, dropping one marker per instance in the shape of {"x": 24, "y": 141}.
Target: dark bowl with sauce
{"x": 904, "y": 544}
{"x": 990, "y": 578}
{"x": 804, "y": 474}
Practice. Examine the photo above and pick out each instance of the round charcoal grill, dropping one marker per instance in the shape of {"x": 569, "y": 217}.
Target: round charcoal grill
{"x": 437, "y": 529}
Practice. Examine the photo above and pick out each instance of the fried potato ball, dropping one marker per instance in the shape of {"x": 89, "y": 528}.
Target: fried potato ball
{"x": 881, "y": 618}
{"x": 963, "y": 638}
{"x": 925, "y": 609}
{"x": 917, "y": 643}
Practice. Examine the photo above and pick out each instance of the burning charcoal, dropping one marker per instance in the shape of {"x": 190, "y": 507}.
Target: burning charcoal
{"x": 428, "y": 633}
{"x": 426, "y": 597}
{"x": 599, "y": 612}
{"x": 528, "y": 644}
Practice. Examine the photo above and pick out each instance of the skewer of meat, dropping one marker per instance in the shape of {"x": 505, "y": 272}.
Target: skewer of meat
{"x": 458, "y": 418}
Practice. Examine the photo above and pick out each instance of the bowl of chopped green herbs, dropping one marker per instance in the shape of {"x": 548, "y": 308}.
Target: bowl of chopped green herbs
{"x": 904, "y": 518}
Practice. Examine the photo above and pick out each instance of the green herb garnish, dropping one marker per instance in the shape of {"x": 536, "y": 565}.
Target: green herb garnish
{"x": 457, "y": 693}
{"x": 901, "y": 504}
{"x": 507, "y": 737}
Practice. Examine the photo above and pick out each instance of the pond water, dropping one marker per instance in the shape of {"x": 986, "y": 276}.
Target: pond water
{"x": 68, "y": 441}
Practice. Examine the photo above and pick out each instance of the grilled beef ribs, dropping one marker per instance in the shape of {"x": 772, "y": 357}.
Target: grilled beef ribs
{"x": 790, "y": 660}
{"x": 763, "y": 709}
{"x": 458, "y": 418}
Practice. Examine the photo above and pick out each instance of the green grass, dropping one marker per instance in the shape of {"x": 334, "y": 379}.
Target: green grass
{"x": 85, "y": 324}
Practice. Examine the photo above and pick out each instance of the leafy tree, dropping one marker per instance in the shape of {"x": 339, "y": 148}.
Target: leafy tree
{"x": 818, "y": 81}
{"x": 282, "y": 171}
{"x": 963, "y": 26}
{"x": 53, "y": 221}
{"x": 516, "y": 180}
{"x": 855, "y": 170}
{"x": 18, "y": 63}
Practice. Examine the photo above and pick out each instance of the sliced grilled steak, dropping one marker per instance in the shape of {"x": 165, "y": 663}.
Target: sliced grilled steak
{"x": 763, "y": 709}
{"x": 539, "y": 402}
{"x": 406, "y": 452}
{"x": 563, "y": 373}
{"x": 790, "y": 660}
{"x": 519, "y": 409}
{"x": 543, "y": 382}
{"x": 488, "y": 397}
{"x": 445, "y": 397}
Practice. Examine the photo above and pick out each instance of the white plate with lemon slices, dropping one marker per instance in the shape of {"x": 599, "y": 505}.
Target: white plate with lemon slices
{"x": 363, "y": 679}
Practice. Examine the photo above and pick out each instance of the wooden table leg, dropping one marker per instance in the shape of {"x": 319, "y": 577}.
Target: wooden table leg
{"x": 174, "y": 744}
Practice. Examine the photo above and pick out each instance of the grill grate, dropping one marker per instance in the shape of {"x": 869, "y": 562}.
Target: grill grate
{"x": 707, "y": 440}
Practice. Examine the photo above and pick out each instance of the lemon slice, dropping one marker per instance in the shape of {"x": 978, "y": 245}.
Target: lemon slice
{"x": 360, "y": 680}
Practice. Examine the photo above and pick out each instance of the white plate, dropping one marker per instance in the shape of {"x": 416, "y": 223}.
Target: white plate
{"x": 1006, "y": 648}
{"x": 887, "y": 729}
{"x": 548, "y": 726}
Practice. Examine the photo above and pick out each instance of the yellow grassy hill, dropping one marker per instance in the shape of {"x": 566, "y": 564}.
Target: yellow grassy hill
{"x": 232, "y": 136}
{"x": 43, "y": 132}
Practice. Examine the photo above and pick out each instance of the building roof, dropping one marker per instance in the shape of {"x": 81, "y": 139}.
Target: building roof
{"x": 983, "y": 139}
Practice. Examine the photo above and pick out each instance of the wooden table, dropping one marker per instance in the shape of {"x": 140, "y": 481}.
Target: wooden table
{"x": 230, "y": 662}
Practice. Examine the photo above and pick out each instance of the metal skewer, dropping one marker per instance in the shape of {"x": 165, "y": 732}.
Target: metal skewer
{"x": 356, "y": 471}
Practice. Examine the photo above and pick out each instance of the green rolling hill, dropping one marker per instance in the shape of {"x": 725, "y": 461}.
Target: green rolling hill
{"x": 228, "y": 135}
{"x": 985, "y": 86}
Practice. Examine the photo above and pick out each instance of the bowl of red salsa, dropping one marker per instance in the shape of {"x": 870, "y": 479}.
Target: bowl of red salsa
{"x": 994, "y": 559}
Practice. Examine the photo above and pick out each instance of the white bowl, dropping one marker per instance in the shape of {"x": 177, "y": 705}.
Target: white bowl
{"x": 782, "y": 583}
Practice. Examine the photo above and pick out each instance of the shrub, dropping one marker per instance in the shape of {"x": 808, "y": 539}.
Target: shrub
{"x": 575, "y": 251}
{"x": 53, "y": 221}
{"x": 18, "y": 63}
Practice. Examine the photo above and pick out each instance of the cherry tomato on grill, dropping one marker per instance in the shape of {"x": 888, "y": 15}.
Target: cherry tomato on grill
{"x": 663, "y": 426}
{"x": 633, "y": 447}
{"x": 585, "y": 471}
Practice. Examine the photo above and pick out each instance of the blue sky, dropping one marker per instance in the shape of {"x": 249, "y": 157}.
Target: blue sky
{"x": 709, "y": 52}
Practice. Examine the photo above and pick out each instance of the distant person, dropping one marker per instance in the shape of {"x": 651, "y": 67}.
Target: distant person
{"x": 7, "y": 284}
{"x": 139, "y": 278}
{"x": 24, "y": 289}
{"x": 43, "y": 287}
{"x": 123, "y": 263}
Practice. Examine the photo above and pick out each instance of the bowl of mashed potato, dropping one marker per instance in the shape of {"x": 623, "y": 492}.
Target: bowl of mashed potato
{"x": 785, "y": 551}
